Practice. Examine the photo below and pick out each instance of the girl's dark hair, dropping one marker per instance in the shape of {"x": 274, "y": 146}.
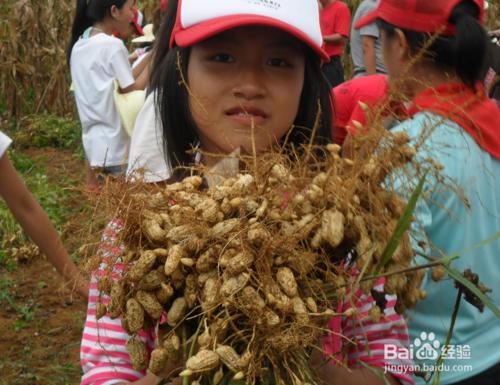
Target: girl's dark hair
{"x": 464, "y": 53}
{"x": 87, "y": 13}
{"x": 179, "y": 130}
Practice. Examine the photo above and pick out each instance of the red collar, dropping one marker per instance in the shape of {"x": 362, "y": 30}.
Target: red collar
{"x": 470, "y": 109}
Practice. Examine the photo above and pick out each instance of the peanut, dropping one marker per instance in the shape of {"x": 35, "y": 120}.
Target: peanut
{"x": 332, "y": 227}
{"x": 100, "y": 311}
{"x": 158, "y": 360}
{"x": 175, "y": 254}
{"x": 153, "y": 230}
{"x": 134, "y": 315}
{"x": 180, "y": 233}
{"x": 203, "y": 361}
{"x": 240, "y": 262}
{"x": 117, "y": 300}
{"x": 210, "y": 293}
{"x": 233, "y": 284}
{"x": 229, "y": 357}
{"x": 221, "y": 229}
{"x": 151, "y": 280}
{"x": 143, "y": 265}
{"x": 177, "y": 311}
{"x": 164, "y": 293}
{"x": 286, "y": 280}
{"x": 137, "y": 351}
{"x": 150, "y": 304}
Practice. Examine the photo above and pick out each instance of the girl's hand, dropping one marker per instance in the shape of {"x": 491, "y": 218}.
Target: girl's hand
{"x": 175, "y": 381}
{"x": 172, "y": 368}
{"x": 133, "y": 57}
{"x": 329, "y": 373}
{"x": 82, "y": 286}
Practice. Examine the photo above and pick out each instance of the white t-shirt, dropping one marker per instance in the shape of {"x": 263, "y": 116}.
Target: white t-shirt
{"x": 146, "y": 148}
{"x": 95, "y": 63}
{"x": 5, "y": 142}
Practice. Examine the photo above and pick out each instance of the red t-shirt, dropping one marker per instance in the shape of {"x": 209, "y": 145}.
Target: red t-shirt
{"x": 335, "y": 18}
{"x": 370, "y": 90}
{"x": 163, "y": 5}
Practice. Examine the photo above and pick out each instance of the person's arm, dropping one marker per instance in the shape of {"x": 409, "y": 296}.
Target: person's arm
{"x": 335, "y": 38}
{"x": 330, "y": 374}
{"x": 142, "y": 66}
{"x": 141, "y": 76}
{"x": 133, "y": 57}
{"x": 37, "y": 224}
{"x": 369, "y": 55}
{"x": 129, "y": 79}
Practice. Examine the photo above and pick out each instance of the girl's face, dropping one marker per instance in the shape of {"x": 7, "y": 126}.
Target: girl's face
{"x": 395, "y": 51}
{"x": 243, "y": 78}
{"x": 122, "y": 17}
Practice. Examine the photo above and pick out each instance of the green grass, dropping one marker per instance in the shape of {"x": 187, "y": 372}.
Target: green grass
{"x": 5, "y": 292}
{"x": 56, "y": 372}
{"x": 46, "y": 130}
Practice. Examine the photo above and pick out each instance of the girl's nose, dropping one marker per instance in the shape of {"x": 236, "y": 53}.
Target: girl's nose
{"x": 250, "y": 84}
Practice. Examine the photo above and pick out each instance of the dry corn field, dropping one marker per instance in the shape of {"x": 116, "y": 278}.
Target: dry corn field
{"x": 34, "y": 76}
{"x": 33, "y": 38}
{"x": 240, "y": 268}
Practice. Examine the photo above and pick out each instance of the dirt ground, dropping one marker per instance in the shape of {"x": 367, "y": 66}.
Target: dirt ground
{"x": 41, "y": 327}
{"x": 40, "y": 319}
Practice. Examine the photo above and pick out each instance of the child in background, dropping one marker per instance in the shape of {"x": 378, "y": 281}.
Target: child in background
{"x": 335, "y": 19}
{"x": 146, "y": 157}
{"x": 35, "y": 221}
{"x": 96, "y": 60}
{"x": 454, "y": 123}
{"x": 245, "y": 63}
{"x": 371, "y": 90}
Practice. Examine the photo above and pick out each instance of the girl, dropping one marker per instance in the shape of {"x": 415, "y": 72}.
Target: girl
{"x": 96, "y": 60}
{"x": 369, "y": 89}
{"x": 230, "y": 65}
{"x": 456, "y": 125}
{"x": 146, "y": 160}
{"x": 35, "y": 221}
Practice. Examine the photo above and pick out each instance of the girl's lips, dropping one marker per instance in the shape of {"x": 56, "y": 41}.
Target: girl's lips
{"x": 247, "y": 115}
{"x": 246, "y": 119}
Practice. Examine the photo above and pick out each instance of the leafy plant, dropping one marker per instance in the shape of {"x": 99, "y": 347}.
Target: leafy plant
{"x": 48, "y": 130}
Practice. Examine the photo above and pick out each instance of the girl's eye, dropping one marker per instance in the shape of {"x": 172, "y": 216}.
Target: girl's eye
{"x": 276, "y": 62}
{"x": 223, "y": 58}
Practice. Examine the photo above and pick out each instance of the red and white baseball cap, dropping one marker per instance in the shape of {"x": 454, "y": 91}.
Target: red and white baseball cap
{"x": 137, "y": 21}
{"x": 430, "y": 16}
{"x": 198, "y": 20}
